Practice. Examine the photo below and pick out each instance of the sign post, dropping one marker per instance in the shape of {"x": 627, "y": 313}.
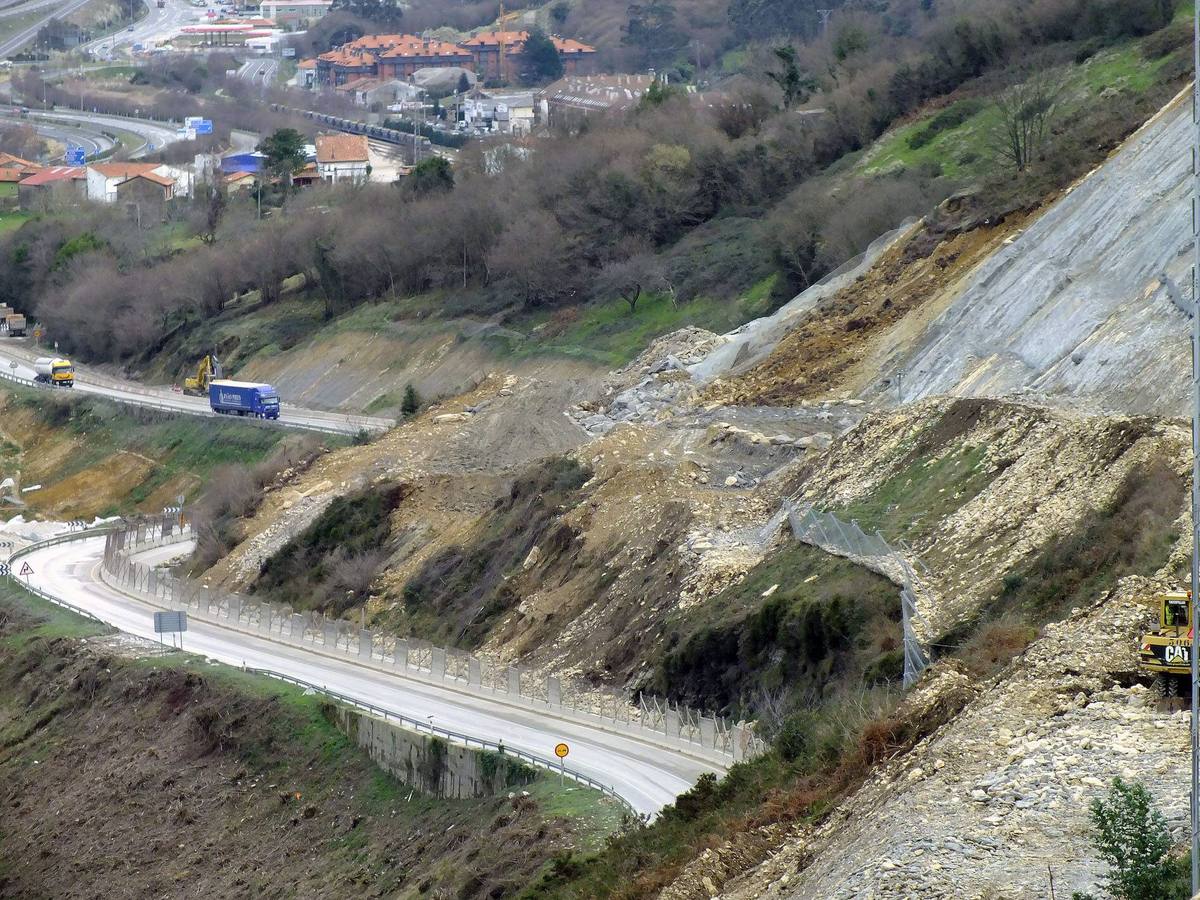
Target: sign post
{"x": 172, "y": 622}
{"x": 561, "y": 751}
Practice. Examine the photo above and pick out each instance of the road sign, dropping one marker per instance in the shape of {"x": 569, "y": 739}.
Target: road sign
{"x": 37, "y": 334}
{"x": 561, "y": 751}
{"x": 26, "y": 570}
{"x": 5, "y": 571}
{"x": 170, "y": 622}
{"x": 76, "y": 156}
{"x": 204, "y": 126}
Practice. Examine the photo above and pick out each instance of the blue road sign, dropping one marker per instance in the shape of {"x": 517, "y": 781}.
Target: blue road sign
{"x": 204, "y": 126}
{"x": 76, "y": 156}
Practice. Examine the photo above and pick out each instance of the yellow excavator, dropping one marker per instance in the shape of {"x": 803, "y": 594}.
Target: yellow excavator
{"x": 1166, "y": 651}
{"x": 209, "y": 368}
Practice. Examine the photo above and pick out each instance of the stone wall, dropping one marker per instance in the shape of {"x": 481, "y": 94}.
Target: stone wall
{"x": 430, "y": 764}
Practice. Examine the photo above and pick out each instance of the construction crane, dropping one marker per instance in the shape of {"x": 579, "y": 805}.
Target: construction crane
{"x": 209, "y": 368}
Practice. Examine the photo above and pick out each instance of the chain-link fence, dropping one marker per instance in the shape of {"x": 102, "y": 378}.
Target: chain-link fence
{"x": 831, "y": 534}
{"x": 649, "y": 718}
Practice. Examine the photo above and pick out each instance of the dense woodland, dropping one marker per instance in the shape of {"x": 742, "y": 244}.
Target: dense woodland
{"x": 694, "y": 199}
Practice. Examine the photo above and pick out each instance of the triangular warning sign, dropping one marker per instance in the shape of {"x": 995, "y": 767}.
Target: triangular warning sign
{"x": 26, "y": 569}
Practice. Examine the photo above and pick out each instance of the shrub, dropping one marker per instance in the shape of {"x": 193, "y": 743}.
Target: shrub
{"x": 948, "y": 119}
{"x": 1131, "y": 836}
{"x": 1165, "y": 40}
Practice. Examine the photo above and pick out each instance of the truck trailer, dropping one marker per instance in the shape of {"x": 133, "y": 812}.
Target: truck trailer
{"x": 243, "y": 398}
{"x": 16, "y": 324}
{"x": 54, "y": 371}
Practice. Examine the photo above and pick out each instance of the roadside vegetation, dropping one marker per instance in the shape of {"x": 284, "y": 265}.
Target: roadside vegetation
{"x": 608, "y": 235}
{"x": 95, "y": 457}
{"x": 249, "y": 767}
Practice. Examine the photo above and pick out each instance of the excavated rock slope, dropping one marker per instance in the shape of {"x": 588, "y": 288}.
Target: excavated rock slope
{"x": 995, "y": 804}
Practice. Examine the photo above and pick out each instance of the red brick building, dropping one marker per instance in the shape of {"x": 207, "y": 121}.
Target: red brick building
{"x": 486, "y": 47}
{"x": 388, "y": 56}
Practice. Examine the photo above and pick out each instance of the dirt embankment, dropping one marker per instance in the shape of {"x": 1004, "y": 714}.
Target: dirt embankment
{"x": 120, "y": 778}
{"x": 849, "y": 342}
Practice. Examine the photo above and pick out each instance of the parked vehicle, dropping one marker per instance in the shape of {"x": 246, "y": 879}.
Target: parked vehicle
{"x": 16, "y": 324}
{"x": 243, "y": 398}
{"x": 54, "y": 371}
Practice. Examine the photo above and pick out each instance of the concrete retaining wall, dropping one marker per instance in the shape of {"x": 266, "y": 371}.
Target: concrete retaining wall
{"x": 429, "y": 764}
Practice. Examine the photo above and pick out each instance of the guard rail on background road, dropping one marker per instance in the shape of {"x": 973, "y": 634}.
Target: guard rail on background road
{"x": 51, "y": 542}
{"x": 202, "y": 413}
{"x": 676, "y": 728}
{"x": 465, "y": 740}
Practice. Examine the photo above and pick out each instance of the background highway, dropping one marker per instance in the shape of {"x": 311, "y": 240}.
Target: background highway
{"x": 91, "y": 139}
{"x": 646, "y": 775}
{"x": 16, "y": 358}
{"x": 157, "y": 25}
{"x": 260, "y": 71}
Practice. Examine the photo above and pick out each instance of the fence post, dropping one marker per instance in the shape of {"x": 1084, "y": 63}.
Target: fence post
{"x": 553, "y": 691}
{"x": 298, "y": 623}
{"x": 400, "y": 654}
{"x": 437, "y": 663}
{"x": 474, "y": 671}
{"x": 514, "y": 681}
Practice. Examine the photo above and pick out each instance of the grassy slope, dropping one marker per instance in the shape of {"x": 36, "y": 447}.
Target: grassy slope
{"x": 237, "y": 754}
{"x": 99, "y": 458}
{"x": 966, "y": 151}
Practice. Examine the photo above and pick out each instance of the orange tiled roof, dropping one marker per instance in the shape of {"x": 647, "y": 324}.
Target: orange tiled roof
{"x": 422, "y": 47}
{"x": 307, "y": 64}
{"x": 333, "y": 148}
{"x": 156, "y": 178}
{"x": 124, "y": 169}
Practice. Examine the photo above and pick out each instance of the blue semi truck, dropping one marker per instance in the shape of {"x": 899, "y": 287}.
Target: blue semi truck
{"x": 243, "y": 398}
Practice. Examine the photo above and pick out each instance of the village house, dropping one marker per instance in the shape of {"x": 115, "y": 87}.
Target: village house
{"x": 343, "y": 157}
{"x": 103, "y": 179}
{"x": 53, "y": 188}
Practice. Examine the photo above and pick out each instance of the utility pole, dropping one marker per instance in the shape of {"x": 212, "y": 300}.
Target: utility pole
{"x": 1195, "y": 598}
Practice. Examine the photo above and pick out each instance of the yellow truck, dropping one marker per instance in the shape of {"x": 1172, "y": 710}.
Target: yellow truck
{"x": 1166, "y": 651}
{"x": 54, "y": 371}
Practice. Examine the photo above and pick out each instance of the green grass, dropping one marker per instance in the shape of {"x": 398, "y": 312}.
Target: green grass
{"x": 966, "y": 151}
{"x": 915, "y": 500}
{"x": 178, "y": 445}
{"x": 959, "y": 152}
{"x": 54, "y": 621}
{"x": 609, "y": 334}
{"x": 11, "y": 221}
{"x": 594, "y": 815}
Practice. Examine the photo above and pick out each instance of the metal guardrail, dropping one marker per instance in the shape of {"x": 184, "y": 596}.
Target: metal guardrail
{"x": 150, "y": 403}
{"x": 466, "y": 740}
{"x": 51, "y": 542}
{"x": 388, "y": 715}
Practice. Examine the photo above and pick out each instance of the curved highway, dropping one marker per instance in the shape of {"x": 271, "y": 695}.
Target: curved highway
{"x": 155, "y": 135}
{"x": 92, "y": 140}
{"x": 17, "y": 360}
{"x": 648, "y": 776}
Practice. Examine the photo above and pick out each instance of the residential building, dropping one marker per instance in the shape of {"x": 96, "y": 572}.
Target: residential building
{"x": 146, "y": 196}
{"x": 306, "y": 73}
{"x": 488, "y": 48}
{"x": 568, "y": 100}
{"x": 104, "y": 178}
{"x": 235, "y": 182}
{"x": 295, "y": 13}
{"x": 343, "y": 157}
{"x": 54, "y": 187}
{"x": 10, "y": 164}
{"x": 504, "y": 113}
{"x": 402, "y": 60}
{"x": 388, "y": 56}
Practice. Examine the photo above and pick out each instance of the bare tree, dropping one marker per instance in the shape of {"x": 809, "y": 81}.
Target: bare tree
{"x": 1027, "y": 111}
{"x": 632, "y": 277}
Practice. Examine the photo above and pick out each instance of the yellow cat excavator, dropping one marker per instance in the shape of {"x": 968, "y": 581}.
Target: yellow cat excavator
{"x": 209, "y": 368}
{"x": 1166, "y": 650}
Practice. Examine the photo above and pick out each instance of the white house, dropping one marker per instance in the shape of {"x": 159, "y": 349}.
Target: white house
{"x": 343, "y": 157}
{"x": 104, "y": 178}
{"x": 505, "y": 113}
